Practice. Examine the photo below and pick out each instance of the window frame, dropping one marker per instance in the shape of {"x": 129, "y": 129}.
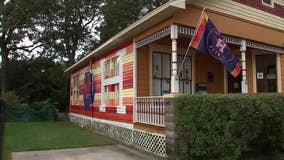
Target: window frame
{"x": 116, "y": 79}
{"x": 76, "y": 87}
{"x": 269, "y": 5}
{"x": 265, "y": 80}
{"x": 161, "y": 78}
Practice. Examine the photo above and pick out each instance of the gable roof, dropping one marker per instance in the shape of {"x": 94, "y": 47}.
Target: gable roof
{"x": 163, "y": 12}
{"x": 167, "y": 10}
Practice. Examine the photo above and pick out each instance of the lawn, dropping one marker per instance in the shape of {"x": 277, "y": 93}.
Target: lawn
{"x": 48, "y": 135}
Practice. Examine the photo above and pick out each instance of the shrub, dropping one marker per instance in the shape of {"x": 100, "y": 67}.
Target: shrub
{"x": 225, "y": 126}
{"x": 12, "y": 99}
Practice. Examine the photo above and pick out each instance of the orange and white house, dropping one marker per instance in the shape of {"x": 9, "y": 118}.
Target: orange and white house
{"x": 119, "y": 87}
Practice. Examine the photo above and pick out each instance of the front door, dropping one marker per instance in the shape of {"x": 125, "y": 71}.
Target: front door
{"x": 234, "y": 84}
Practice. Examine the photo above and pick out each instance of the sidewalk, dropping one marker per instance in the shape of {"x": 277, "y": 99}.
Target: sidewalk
{"x": 114, "y": 152}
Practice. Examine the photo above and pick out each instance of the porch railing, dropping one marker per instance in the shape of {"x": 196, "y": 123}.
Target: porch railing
{"x": 150, "y": 110}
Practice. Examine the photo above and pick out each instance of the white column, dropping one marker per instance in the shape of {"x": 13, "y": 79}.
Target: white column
{"x": 174, "y": 77}
{"x": 244, "y": 69}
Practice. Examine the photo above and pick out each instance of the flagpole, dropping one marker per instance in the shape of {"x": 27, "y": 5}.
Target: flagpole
{"x": 190, "y": 43}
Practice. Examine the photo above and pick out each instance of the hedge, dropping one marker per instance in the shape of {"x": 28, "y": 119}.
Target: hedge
{"x": 226, "y": 126}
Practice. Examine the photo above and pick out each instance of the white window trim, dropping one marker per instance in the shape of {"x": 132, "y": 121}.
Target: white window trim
{"x": 114, "y": 80}
{"x": 269, "y": 5}
{"x": 75, "y": 90}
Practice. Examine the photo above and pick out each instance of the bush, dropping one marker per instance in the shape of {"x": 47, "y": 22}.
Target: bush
{"x": 39, "y": 111}
{"x": 226, "y": 126}
{"x": 12, "y": 99}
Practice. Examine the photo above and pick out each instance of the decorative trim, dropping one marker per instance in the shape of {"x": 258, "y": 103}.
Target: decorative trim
{"x": 102, "y": 108}
{"x": 121, "y": 109}
{"x": 121, "y": 54}
{"x": 158, "y": 35}
{"x": 265, "y": 47}
{"x": 135, "y": 79}
{"x": 189, "y": 31}
{"x": 150, "y": 142}
{"x": 254, "y": 73}
{"x": 111, "y": 81}
{"x": 279, "y": 76}
{"x": 119, "y": 124}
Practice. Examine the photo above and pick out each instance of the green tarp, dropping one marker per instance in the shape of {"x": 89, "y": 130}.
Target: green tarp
{"x": 28, "y": 114}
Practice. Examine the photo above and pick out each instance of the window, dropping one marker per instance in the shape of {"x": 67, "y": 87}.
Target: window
{"x": 107, "y": 69}
{"x": 111, "y": 95}
{"x": 185, "y": 74}
{"x": 161, "y": 71}
{"x": 266, "y": 73}
{"x": 112, "y": 83}
{"x": 111, "y": 68}
{"x": 269, "y": 3}
{"x": 115, "y": 66}
{"x": 76, "y": 88}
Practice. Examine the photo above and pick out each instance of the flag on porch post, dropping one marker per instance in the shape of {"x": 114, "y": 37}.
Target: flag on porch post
{"x": 209, "y": 40}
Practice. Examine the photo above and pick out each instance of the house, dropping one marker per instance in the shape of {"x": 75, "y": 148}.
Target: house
{"x": 119, "y": 87}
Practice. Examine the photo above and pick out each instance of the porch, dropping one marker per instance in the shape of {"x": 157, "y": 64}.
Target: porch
{"x": 160, "y": 71}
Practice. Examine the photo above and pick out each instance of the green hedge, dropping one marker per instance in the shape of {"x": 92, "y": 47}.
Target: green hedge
{"x": 38, "y": 112}
{"x": 226, "y": 126}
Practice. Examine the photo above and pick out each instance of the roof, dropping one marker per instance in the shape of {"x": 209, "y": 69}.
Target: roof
{"x": 169, "y": 9}
{"x": 163, "y": 12}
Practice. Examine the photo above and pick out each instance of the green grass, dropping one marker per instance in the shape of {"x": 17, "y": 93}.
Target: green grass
{"x": 47, "y": 135}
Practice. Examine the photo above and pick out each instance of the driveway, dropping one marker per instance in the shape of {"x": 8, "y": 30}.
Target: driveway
{"x": 114, "y": 152}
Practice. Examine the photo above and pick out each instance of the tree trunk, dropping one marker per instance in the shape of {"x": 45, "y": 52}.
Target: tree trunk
{"x": 4, "y": 70}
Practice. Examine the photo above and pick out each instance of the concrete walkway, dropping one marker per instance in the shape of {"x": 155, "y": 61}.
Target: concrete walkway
{"x": 114, "y": 152}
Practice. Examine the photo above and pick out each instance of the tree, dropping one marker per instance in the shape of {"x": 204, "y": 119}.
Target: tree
{"x": 118, "y": 14}
{"x": 38, "y": 79}
{"x": 70, "y": 29}
{"x": 16, "y": 23}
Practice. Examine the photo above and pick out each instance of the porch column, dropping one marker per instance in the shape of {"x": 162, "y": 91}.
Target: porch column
{"x": 244, "y": 69}
{"x": 174, "y": 77}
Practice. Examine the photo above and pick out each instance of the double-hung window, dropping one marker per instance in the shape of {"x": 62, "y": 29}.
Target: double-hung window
{"x": 112, "y": 79}
{"x": 76, "y": 88}
{"x": 161, "y": 72}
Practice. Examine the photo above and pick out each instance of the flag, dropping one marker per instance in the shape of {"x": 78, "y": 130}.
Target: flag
{"x": 209, "y": 40}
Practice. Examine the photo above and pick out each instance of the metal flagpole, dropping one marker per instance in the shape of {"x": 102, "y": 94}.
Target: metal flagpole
{"x": 189, "y": 45}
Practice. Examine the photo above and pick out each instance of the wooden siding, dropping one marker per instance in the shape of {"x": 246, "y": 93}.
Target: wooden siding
{"x": 204, "y": 64}
{"x": 127, "y": 92}
{"x": 242, "y": 12}
{"x": 232, "y": 26}
{"x": 143, "y": 71}
{"x": 277, "y": 8}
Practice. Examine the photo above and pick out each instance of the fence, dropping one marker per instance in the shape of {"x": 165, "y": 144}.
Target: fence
{"x": 150, "y": 110}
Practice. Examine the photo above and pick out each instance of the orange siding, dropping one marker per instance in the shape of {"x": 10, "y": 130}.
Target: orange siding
{"x": 205, "y": 64}
{"x": 231, "y": 26}
{"x": 111, "y": 111}
{"x": 143, "y": 69}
